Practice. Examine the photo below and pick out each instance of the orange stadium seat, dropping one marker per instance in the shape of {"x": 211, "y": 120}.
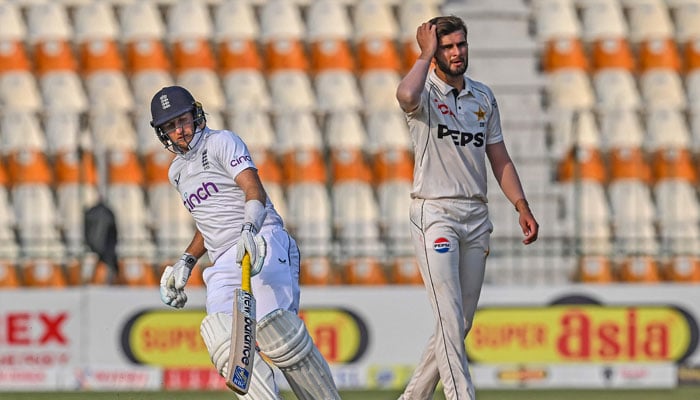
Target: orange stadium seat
{"x": 318, "y": 270}
{"x": 582, "y": 163}
{"x": 612, "y": 53}
{"x": 239, "y": 54}
{"x": 347, "y": 140}
{"x": 189, "y": 33}
{"x": 659, "y": 53}
{"x": 682, "y": 268}
{"x": 668, "y": 142}
{"x": 156, "y": 165}
{"x": 75, "y": 167}
{"x": 268, "y": 166}
{"x": 125, "y": 167}
{"x": 193, "y": 53}
{"x": 50, "y": 35}
{"x": 147, "y": 54}
{"x": 100, "y": 55}
{"x": 43, "y": 272}
{"x": 29, "y": 166}
{"x": 393, "y": 164}
{"x": 350, "y": 164}
{"x": 236, "y": 33}
{"x": 639, "y": 269}
{"x": 629, "y": 163}
{"x": 329, "y": 32}
{"x": 364, "y": 271}
{"x": 301, "y": 149}
{"x": 282, "y": 36}
{"x": 691, "y": 55}
{"x": 134, "y": 271}
{"x": 14, "y": 56}
{"x": 674, "y": 163}
{"x": 285, "y": 54}
{"x": 564, "y": 53}
{"x": 405, "y": 271}
{"x": 595, "y": 269}
{"x": 304, "y": 165}
{"x": 9, "y": 278}
{"x": 96, "y": 34}
{"x": 376, "y": 32}
{"x": 389, "y": 142}
{"x": 626, "y": 159}
{"x": 102, "y": 275}
{"x": 142, "y": 33}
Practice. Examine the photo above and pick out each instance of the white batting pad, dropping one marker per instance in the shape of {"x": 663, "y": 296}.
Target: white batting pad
{"x": 283, "y": 338}
{"x": 216, "y": 333}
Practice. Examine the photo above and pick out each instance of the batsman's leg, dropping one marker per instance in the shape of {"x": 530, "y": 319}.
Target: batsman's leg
{"x": 216, "y": 332}
{"x": 283, "y": 338}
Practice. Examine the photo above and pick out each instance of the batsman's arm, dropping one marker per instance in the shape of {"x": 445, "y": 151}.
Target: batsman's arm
{"x": 196, "y": 246}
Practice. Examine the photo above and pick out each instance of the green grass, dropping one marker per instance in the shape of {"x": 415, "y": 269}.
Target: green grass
{"x": 684, "y": 393}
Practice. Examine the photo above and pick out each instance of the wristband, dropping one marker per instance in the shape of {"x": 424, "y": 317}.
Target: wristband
{"x": 189, "y": 260}
{"x": 255, "y": 214}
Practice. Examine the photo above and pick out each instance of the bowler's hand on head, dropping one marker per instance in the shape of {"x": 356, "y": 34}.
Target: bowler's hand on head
{"x": 426, "y": 36}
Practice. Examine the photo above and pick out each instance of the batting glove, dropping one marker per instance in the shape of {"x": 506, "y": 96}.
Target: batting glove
{"x": 251, "y": 242}
{"x": 174, "y": 279}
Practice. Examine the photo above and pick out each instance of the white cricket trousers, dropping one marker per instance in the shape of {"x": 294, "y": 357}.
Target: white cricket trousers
{"x": 275, "y": 287}
{"x": 451, "y": 241}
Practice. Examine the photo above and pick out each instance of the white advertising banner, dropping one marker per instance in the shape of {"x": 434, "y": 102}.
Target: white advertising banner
{"x": 40, "y": 328}
{"x": 372, "y": 336}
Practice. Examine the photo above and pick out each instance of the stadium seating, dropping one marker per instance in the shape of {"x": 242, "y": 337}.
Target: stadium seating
{"x": 599, "y": 100}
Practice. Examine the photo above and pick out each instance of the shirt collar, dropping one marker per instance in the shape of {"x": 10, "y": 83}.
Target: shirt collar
{"x": 443, "y": 87}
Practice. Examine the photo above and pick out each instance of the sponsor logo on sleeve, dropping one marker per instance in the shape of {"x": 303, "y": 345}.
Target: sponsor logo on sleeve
{"x": 239, "y": 160}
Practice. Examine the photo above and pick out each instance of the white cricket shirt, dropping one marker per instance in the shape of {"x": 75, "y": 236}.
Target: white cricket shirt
{"x": 204, "y": 177}
{"x": 450, "y": 133}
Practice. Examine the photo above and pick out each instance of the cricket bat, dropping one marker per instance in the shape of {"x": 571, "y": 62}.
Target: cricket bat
{"x": 242, "y": 354}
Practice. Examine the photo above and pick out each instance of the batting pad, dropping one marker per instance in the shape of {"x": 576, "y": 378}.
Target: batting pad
{"x": 283, "y": 338}
{"x": 216, "y": 333}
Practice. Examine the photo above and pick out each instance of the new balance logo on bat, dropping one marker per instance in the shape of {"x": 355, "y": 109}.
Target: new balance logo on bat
{"x": 461, "y": 138}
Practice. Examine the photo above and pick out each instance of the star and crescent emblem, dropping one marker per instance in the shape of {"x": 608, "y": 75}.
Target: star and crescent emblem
{"x": 480, "y": 114}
